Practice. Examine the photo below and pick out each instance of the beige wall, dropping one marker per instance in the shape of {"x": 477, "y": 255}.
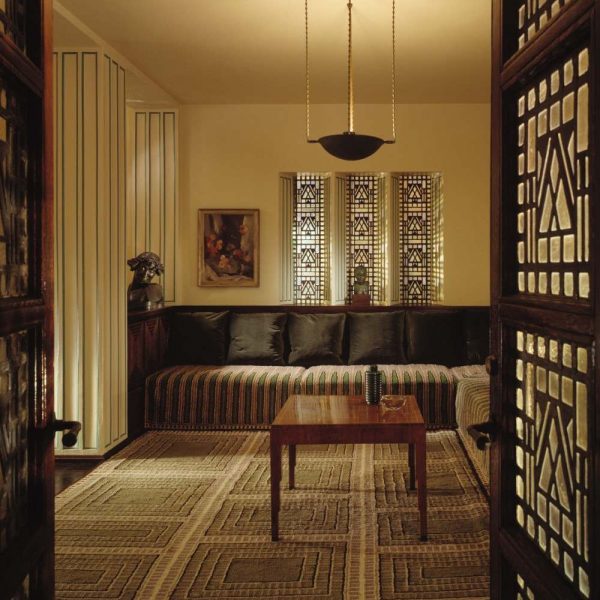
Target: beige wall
{"x": 231, "y": 156}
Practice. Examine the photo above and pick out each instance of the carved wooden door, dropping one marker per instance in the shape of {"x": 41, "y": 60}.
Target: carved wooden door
{"x": 545, "y": 215}
{"x": 26, "y": 373}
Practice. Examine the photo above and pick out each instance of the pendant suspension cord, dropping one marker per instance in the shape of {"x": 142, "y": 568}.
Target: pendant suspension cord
{"x": 394, "y": 70}
{"x": 307, "y": 70}
{"x": 350, "y": 78}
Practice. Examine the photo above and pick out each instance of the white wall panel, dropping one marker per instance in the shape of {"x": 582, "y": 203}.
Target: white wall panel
{"x": 153, "y": 191}
{"x": 90, "y": 374}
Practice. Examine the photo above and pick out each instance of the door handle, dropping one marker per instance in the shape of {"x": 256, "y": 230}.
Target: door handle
{"x": 483, "y": 433}
{"x": 491, "y": 365}
{"x": 70, "y": 430}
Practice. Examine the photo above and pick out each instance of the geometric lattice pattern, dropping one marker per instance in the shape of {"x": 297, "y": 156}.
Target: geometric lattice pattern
{"x": 534, "y": 15}
{"x": 365, "y": 233}
{"x": 552, "y": 453}
{"x": 13, "y": 194}
{"x": 523, "y": 590}
{"x": 553, "y": 183}
{"x": 310, "y": 239}
{"x": 336, "y": 540}
{"x": 418, "y": 199}
{"x": 14, "y": 413}
{"x": 13, "y": 22}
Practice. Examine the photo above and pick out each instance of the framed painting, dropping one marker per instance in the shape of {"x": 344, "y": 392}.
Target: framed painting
{"x": 228, "y": 247}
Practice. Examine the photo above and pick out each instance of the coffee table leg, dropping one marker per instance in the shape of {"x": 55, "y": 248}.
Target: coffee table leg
{"x": 275, "y": 480}
{"x": 411, "y": 466}
{"x": 292, "y": 453}
{"x": 422, "y": 481}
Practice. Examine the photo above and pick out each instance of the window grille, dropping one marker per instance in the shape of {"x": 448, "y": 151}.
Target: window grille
{"x": 310, "y": 240}
{"x": 365, "y": 233}
{"x": 399, "y": 239}
{"x": 418, "y": 203}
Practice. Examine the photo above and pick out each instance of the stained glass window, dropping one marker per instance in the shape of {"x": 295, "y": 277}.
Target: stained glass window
{"x": 13, "y": 195}
{"x": 552, "y": 450}
{"x": 418, "y": 200}
{"x": 553, "y": 182}
{"x": 365, "y": 233}
{"x": 310, "y": 239}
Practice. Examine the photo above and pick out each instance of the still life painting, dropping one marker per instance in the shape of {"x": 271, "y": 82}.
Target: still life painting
{"x": 228, "y": 247}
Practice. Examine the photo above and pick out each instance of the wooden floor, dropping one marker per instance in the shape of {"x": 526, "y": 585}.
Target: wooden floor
{"x": 67, "y": 472}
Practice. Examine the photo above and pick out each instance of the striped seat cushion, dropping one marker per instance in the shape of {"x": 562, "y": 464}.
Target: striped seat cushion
{"x": 433, "y": 386}
{"x": 469, "y": 371}
{"x": 205, "y": 397}
{"x": 473, "y": 406}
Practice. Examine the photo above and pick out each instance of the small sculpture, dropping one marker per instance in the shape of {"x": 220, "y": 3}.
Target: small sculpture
{"x": 142, "y": 293}
{"x": 360, "y": 287}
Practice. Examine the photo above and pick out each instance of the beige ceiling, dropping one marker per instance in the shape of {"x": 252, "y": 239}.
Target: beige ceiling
{"x": 252, "y": 51}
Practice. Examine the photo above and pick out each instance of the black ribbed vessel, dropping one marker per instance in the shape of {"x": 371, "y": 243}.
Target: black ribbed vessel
{"x": 373, "y": 385}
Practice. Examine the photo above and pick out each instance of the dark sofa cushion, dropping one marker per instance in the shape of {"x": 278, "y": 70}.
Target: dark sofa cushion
{"x": 256, "y": 339}
{"x": 376, "y": 338}
{"x": 476, "y": 332}
{"x": 434, "y": 337}
{"x": 198, "y": 338}
{"x": 316, "y": 339}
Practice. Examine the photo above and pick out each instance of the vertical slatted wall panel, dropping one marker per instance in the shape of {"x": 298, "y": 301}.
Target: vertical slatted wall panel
{"x": 154, "y": 190}
{"x": 90, "y": 306}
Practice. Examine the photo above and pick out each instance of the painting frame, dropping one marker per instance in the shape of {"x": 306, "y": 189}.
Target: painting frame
{"x": 228, "y": 247}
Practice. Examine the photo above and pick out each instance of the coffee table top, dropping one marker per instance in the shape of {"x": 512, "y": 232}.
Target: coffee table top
{"x": 345, "y": 410}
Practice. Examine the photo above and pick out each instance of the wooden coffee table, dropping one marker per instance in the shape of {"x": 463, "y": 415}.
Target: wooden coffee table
{"x": 346, "y": 420}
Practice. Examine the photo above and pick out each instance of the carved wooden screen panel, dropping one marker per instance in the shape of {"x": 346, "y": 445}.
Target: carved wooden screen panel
{"x": 14, "y": 217}
{"x": 524, "y": 592}
{"x": 13, "y": 21}
{"x": 14, "y": 411}
{"x": 534, "y": 15}
{"x": 552, "y": 448}
{"x": 418, "y": 198}
{"x": 553, "y": 185}
{"x": 310, "y": 239}
{"x": 364, "y": 233}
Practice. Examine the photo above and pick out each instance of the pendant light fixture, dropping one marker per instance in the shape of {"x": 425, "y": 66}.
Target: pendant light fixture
{"x": 350, "y": 145}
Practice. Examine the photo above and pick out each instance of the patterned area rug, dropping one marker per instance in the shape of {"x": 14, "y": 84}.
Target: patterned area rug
{"x": 186, "y": 516}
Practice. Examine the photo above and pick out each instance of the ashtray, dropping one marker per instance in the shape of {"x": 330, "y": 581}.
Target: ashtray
{"x": 393, "y": 402}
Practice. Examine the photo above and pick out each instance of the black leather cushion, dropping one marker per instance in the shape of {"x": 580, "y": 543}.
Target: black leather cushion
{"x": 198, "y": 338}
{"x": 434, "y": 337}
{"x": 256, "y": 339}
{"x": 316, "y": 339}
{"x": 376, "y": 338}
{"x": 476, "y": 332}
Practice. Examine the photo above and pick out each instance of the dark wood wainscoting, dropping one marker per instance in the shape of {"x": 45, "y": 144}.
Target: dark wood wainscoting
{"x": 147, "y": 339}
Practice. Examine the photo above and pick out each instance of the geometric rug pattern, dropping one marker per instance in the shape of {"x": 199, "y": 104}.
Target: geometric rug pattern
{"x": 186, "y": 516}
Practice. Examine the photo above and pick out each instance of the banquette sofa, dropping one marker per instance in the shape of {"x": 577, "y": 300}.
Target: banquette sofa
{"x": 234, "y": 367}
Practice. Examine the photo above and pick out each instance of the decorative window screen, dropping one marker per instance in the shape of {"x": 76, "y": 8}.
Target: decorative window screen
{"x": 13, "y": 22}
{"x": 417, "y": 206}
{"x": 14, "y": 165}
{"x": 553, "y": 183}
{"x": 14, "y": 399}
{"x": 365, "y": 232}
{"x": 534, "y": 15}
{"x": 524, "y": 592}
{"x": 552, "y": 451}
{"x": 310, "y": 240}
